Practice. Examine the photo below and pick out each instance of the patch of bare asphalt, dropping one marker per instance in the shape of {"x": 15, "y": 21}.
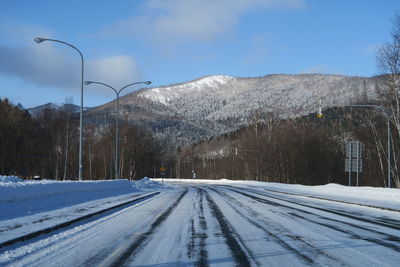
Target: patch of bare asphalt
{"x": 197, "y": 244}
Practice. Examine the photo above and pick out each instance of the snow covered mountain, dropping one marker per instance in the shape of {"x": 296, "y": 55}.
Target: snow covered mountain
{"x": 212, "y": 105}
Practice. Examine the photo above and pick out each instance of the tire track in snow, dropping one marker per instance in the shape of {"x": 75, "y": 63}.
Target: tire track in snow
{"x": 380, "y": 242}
{"x": 333, "y": 200}
{"x": 198, "y": 238}
{"x": 354, "y": 235}
{"x": 394, "y": 226}
{"x": 230, "y": 200}
{"x": 233, "y": 240}
{"x": 203, "y": 224}
{"x": 65, "y": 224}
{"x": 119, "y": 257}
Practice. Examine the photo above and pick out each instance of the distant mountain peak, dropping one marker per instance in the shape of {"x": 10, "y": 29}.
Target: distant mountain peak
{"x": 212, "y": 80}
{"x": 166, "y": 94}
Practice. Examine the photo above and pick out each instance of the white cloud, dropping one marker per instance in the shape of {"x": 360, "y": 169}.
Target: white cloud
{"x": 48, "y": 64}
{"x": 116, "y": 71}
{"x": 181, "y": 21}
{"x": 43, "y": 65}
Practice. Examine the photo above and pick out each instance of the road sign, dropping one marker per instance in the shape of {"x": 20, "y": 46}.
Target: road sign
{"x": 355, "y": 149}
{"x": 353, "y": 162}
{"x": 356, "y": 165}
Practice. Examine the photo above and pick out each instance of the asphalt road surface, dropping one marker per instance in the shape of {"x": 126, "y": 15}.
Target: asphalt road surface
{"x": 217, "y": 225}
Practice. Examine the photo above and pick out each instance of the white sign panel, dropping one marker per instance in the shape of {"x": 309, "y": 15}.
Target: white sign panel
{"x": 354, "y": 165}
{"x": 355, "y": 148}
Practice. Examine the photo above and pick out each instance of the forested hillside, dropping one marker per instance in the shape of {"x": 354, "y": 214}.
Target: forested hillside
{"x": 189, "y": 112}
{"x": 46, "y": 146}
{"x": 305, "y": 150}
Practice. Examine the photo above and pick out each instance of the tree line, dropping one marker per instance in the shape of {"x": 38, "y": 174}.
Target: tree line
{"x": 47, "y": 146}
{"x": 305, "y": 150}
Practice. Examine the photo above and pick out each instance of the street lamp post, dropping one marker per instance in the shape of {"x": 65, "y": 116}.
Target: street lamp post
{"x": 249, "y": 150}
{"x": 39, "y": 40}
{"x": 117, "y": 92}
{"x": 384, "y": 111}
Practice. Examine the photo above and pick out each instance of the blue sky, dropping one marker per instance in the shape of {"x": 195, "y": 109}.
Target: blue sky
{"x": 172, "y": 41}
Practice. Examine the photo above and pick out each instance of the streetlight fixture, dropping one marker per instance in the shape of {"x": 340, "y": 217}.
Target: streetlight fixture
{"x": 385, "y": 112}
{"x": 40, "y": 40}
{"x": 117, "y": 92}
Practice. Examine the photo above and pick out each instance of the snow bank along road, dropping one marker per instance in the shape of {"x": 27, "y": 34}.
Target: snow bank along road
{"x": 205, "y": 224}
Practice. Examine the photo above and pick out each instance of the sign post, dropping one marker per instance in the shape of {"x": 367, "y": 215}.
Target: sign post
{"x": 353, "y": 162}
{"x": 162, "y": 172}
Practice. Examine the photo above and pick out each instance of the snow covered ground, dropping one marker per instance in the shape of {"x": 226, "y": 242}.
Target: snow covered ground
{"x": 20, "y": 198}
{"x": 387, "y": 198}
{"x": 199, "y": 222}
{"x": 27, "y": 206}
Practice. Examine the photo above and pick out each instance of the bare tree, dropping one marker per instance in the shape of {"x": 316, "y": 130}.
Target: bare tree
{"x": 388, "y": 59}
{"x": 68, "y": 112}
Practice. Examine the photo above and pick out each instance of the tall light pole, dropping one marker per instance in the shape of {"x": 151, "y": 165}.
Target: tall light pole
{"x": 39, "y": 40}
{"x": 384, "y": 111}
{"x": 249, "y": 150}
{"x": 117, "y": 92}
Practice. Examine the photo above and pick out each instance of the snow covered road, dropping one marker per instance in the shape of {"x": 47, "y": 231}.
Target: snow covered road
{"x": 224, "y": 225}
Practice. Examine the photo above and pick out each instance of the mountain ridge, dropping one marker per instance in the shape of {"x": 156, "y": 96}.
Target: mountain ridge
{"x": 188, "y": 112}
